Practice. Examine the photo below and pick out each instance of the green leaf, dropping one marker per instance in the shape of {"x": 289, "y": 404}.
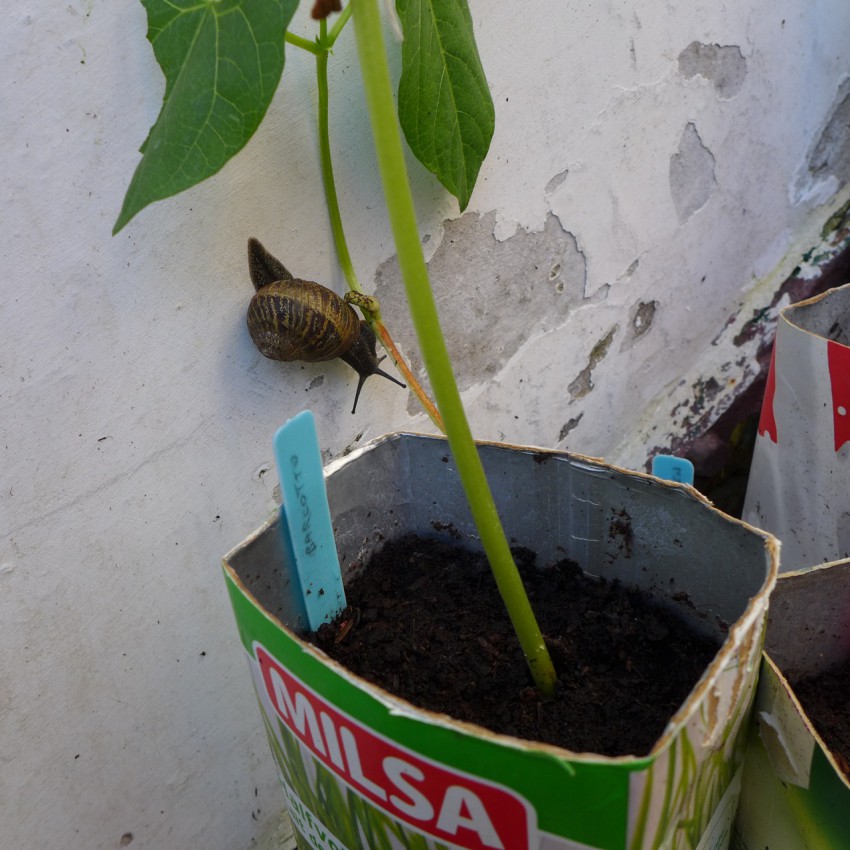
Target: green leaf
{"x": 222, "y": 61}
{"x": 444, "y": 102}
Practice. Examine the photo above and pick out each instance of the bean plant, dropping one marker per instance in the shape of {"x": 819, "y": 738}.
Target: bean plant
{"x": 223, "y": 61}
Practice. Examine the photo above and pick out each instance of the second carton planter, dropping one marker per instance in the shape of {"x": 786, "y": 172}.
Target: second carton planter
{"x": 797, "y": 487}
{"x": 795, "y": 795}
{"x": 362, "y": 768}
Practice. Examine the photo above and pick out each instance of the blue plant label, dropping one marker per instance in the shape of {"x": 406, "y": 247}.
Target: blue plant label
{"x": 306, "y": 516}
{"x": 672, "y": 468}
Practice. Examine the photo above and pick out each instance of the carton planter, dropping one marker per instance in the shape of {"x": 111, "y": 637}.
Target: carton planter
{"x": 362, "y": 768}
{"x": 794, "y": 795}
{"x": 797, "y": 487}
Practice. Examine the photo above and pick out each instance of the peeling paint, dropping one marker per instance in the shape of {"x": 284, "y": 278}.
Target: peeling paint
{"x": 643, "y": 316}
{"x": 704, "y": 390}
{"x": 752, "y": 329}
{"x": 633, "y": 267}
{"x": 504, "y": 228}
{"x": 569, "y": 426}
{"x": 582, "y": 384}
{"x": 729, "y": 381}
{"x": 722, "y": 65}
{"x": 491, "y": 296}
{"x": 831, "y": 154}
{"x": 555, "y": 183}
{"x": 827, "y": 166}
{"x": 692, "y": 178}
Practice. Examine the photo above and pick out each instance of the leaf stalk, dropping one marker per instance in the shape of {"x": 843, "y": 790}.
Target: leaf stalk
{"x": 335, "y": 216}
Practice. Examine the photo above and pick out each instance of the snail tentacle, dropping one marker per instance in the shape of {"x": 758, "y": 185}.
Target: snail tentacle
{"x": 363, "y": 359}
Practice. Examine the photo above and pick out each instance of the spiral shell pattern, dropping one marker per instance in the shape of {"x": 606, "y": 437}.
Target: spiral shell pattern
{"x": 301, "y": 320}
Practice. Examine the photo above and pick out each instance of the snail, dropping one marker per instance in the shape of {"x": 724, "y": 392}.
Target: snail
{"x": 291, "y": 319}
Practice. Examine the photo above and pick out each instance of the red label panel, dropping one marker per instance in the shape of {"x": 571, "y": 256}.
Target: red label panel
{"x": 838, "y": 357}
{"x": 453, "y": 807}
{"x": 767, "y": 421}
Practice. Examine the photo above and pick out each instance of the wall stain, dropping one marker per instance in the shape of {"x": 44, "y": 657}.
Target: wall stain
{"x": 831, "y": 154}
{"x": 692, "y": 179}
{"x": 582, "y": 384}
{"x": 643, "y": 317}
{"x": 722, "y": 65}
{"x": 555, "y": 183}
{"x": 569, "y": 426}
{"x": 633, "y": 267}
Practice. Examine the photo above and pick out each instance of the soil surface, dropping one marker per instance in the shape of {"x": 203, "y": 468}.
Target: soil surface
{"x": 824, "y": 697}
{"x": 425, "y": 621}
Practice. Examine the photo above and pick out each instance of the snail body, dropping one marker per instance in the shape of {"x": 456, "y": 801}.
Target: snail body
{"x": 291, "y": 319}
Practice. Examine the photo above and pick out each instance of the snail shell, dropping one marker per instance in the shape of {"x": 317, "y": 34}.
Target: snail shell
{"x": 301, "y": 320}
{"x": 291, "y": 319}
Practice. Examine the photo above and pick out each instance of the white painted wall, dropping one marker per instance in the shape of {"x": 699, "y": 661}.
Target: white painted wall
{"x": 670, "y": 181}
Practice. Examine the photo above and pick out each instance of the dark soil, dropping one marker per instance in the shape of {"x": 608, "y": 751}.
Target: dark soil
{"x": 824, "y": 697}
{"x": 425, "y": 622}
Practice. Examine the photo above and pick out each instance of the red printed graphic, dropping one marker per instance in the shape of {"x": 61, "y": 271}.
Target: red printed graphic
{"x": 457, "y": 809}
{"x": 839, "y": 376}
{"x": 767, "y": 421}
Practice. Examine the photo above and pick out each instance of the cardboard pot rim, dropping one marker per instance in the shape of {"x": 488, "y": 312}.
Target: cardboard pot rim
{"x": 787, "y": 313}
{"x": 754, "y": 610}
{"x": 776, "y": 670}
{"x": 806, "y": 574}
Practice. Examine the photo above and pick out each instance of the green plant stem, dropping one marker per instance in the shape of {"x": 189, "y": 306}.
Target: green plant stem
{"x": 335, "y": 216}
{"x": 303, "y": 43}
{"x": 381, "y": 107}
{"x": 343, "y": 254}
{"x": 336, "y": 29}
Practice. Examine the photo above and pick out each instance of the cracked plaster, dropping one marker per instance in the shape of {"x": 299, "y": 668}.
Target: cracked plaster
{"x": 827, "y": 165}
{"x": 491, "y": 295}
{"x": 722, "y": 65}
{"x": 692, "y": 177}
{"x": 616, "y": 193}
{"x": 582, "y": 384}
